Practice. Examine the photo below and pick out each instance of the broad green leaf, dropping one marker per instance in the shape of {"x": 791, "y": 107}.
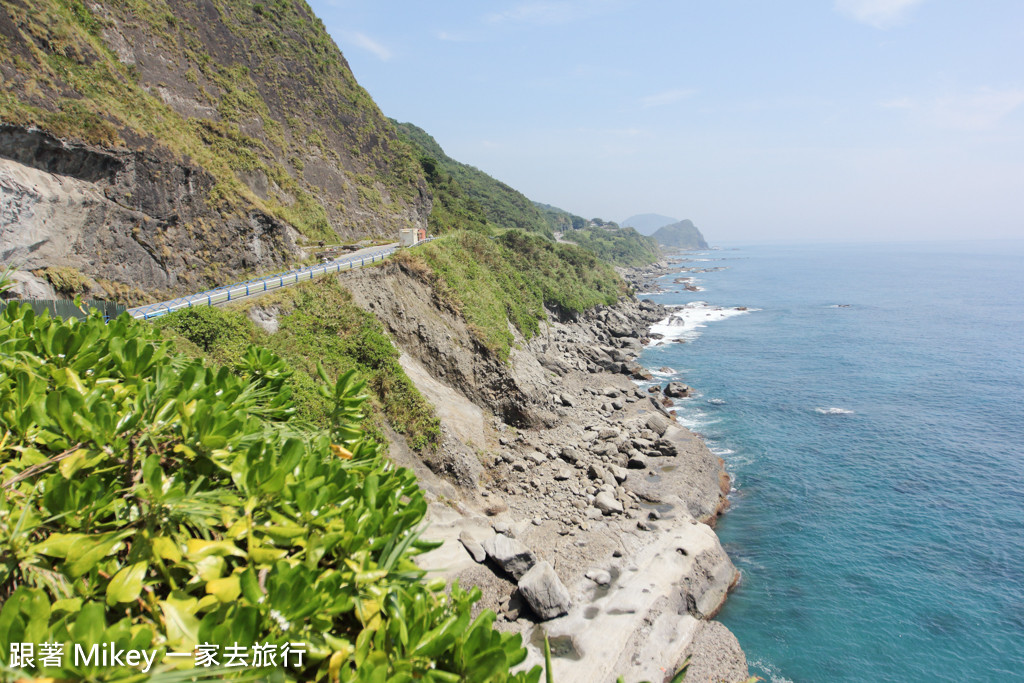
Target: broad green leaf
{"x": 180, "y": 621}
{"x": 127, "y": 583}
{"x": 165, "y": 548}
{"x": 198, "y": 549}
{"x": 58, "y": 545}
{"x": 226, "y": 589}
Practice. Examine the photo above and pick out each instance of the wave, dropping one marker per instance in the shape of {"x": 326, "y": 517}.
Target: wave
{"x": 716, "y": 401}
{"x": 685, "y": 320}
{"x": 833, "y": 411}
{"x": 770, "y": 670}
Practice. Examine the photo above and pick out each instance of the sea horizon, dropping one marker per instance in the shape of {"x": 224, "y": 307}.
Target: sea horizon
{"x": 868, "y": 405}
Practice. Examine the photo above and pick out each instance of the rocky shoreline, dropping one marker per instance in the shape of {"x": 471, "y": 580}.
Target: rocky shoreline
{"x": 567, "y": 493}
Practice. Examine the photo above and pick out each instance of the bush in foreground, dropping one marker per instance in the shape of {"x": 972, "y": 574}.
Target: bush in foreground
{"x": 159, "y": 504}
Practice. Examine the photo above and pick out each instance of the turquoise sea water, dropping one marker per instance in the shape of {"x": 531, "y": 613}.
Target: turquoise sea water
{"x": 878, "y": 455}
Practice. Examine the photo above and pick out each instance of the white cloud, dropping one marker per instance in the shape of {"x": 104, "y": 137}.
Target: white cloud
{"x": 981, "y": 109}
{"x": 552, "y": 12}
{"x": 370, "y": 45}
{"x": 665, "y": 97}
{"x": 877, "y": 13}
{"x": 454, "y": 37}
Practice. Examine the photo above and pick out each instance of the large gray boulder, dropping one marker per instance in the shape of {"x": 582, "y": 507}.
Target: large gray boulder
{"x": 544, "y": 592}
{"x": 677, "y": 390}
{"x": 509, "y": 554}
{"x": 606, "y": 503}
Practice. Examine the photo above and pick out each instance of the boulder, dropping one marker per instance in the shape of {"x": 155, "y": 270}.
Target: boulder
{"x": 619, "y": 473}
{"x": 473, "y": 546}
{"x": 637, "y": 462}
{"x": 544, "y": 592}
{"x": 509, "y": 554}
{"x": 677, "y": 390}
{"x": 667, "y": 448}
{"x": 657, "y": 424}
{"x": 606, "y": 503}
{"x": 599, "y": 576}
{"x": 570, "y": 455}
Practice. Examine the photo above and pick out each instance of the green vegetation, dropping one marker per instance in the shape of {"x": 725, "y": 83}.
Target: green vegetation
{"x": 65, "y": 280}
{"x": 318, "y": 324}
{"x": 621, "y": 246}
{"x": 510, "y": 279}
{"x": 560, "y": 220}
{"x": 463, "y": 190}
{"x": 270, "y": 62}
{"x": 682, "y": 235}
{"x": 155, "y": 502}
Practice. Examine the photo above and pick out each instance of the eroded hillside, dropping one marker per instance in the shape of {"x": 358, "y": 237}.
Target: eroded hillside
{"x": 173, "y": 145}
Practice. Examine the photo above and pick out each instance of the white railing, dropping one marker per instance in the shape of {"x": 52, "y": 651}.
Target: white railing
{"x": 212, "y": 297}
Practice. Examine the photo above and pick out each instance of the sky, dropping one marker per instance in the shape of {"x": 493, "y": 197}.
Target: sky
{"x": 828, "y": 120}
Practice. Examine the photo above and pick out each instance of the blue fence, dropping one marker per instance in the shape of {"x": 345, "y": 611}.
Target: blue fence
{"x": 241, "y": 290}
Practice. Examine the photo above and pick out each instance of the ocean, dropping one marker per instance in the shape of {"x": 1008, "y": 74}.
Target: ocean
{"x": 870, "y": 405}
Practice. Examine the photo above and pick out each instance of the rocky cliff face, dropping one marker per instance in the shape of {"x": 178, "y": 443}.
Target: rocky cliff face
{"x": 163, "y": 146}
{"x": 570, "y": 495}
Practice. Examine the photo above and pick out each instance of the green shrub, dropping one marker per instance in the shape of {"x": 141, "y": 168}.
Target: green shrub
{"x": 154, "y": 502}
{"x": 65, "y": 280}
{"x": 319, "y": 324}
{"x": 621, "y": 246}
{"x": 510, "y": 279}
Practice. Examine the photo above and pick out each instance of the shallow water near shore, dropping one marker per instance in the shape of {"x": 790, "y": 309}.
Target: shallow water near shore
{"x": 872, "y": 413}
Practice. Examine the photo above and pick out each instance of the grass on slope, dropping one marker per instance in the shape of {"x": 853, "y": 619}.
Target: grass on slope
{"x": 65, "y": 79}
{"x": 621, "y": 246}
{"x": 502, "y": 205}
{"x": 318, "y": 323}
{"x": 510, "y": 279}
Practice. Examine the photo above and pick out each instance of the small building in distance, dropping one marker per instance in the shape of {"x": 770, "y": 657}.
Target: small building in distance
{"x": 408, "y": 237}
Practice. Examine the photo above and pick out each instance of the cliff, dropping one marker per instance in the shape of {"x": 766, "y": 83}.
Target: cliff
{"x": 166, "y": 146}
{"x": 682, "y": 235}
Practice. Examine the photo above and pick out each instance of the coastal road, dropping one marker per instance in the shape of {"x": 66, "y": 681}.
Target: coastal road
{"x": 258, "y": 286}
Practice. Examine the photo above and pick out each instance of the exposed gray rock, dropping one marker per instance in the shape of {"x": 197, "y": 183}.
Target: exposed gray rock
{"x": 657, "y": 423}
{"x": 473, "y": 546}
{"x": 638, "y": 462}
{"x": 509, "y": 554}
{"x": 705, "y": 587}
{"x": 265, "y": 317}
{"x": 599, "y": 576}
{"x": 677, "y": 390}
{"x": 606, "y": 503}
{"x": 544, "y": 591}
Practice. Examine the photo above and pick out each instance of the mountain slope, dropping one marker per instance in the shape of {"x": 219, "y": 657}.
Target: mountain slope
{"x": 202, "y": 139}
{"x": 502, "y": 205}
{"x": 647, "y": 223}
{"x": 683, "y": 235}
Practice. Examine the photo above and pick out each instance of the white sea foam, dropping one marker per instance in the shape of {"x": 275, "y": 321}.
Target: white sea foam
{"x": 670, "y": 373}
{"x": 716, "y": 401}
{"x": 685, "y": 320}
{"x": 833, "y": 411}
{"x": 772, "y": 671}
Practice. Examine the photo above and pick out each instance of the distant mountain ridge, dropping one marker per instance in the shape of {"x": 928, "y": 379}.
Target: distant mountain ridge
{"x": 682, "y": 235}
{"x": 647, "y": 223}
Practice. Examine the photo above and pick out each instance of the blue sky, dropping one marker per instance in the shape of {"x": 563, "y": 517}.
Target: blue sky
{"x": 826, "y": 120}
